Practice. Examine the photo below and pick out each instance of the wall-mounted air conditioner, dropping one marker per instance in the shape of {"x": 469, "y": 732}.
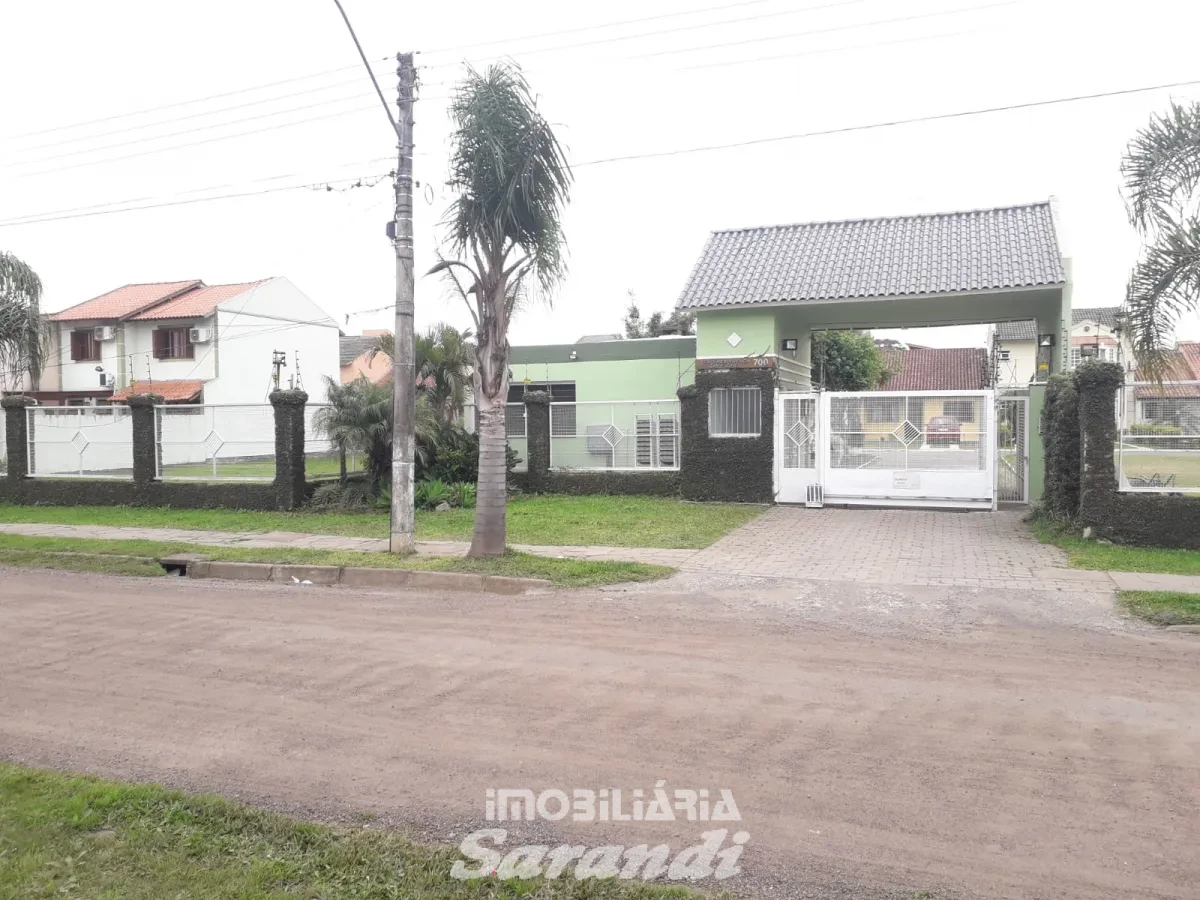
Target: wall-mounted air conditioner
{"x": 104, "y": 332}
{"x": 200, "y": 335}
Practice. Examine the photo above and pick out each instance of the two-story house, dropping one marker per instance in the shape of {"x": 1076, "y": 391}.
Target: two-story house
{"x": 1095, "y": 331}
{"x": 192, "y": 343}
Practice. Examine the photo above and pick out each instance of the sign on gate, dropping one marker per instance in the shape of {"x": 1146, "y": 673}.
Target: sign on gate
{"x": 888, "y": 448}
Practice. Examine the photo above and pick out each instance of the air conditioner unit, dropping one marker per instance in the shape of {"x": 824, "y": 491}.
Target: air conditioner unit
{"x": 107, "y": 381}
{"x": 104, "y": 332}
{"x": 1004, "y": 354}
{"x": 200, "y": 335}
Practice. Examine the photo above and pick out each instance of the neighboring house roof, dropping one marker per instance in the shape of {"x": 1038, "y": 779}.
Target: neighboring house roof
{"x": 1185, "y": 367}
{"x": 196, "y": 303}
{"x": 170, "y": 391}
{"x": 977, "y": 250}
{"x": 124, "y": 301}
{"x": 1027, "y": 330}
{"x": 352, "y": 346}
{"x": 663, "y": 347}
{"x": 600, "y": 338}
{"x": 937, "y": 369}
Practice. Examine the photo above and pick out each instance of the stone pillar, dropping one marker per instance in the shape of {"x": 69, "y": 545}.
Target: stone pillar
{"x": 739, "y": 469}
{"x": 537, "y": 439}
{"x": 16, "y": 434}
{"x": 145, "y": 437}
{"x": 289, "y": 448}
{"x": 1097, "y": 383}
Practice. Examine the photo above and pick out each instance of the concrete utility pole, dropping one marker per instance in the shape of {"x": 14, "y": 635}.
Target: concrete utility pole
{"x": 404, "y": 388}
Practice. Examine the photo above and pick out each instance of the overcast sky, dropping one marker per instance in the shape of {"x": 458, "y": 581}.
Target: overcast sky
{"x": 671, "y": 82}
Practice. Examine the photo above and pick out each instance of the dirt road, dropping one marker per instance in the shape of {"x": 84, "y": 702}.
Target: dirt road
{"x": 998, "y": 758}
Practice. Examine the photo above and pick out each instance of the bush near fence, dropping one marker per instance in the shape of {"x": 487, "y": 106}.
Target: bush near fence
{"x": 1060, "y": 436}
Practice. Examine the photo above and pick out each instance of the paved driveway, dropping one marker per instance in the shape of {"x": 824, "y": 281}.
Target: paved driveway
{"x": 894, "y": 546}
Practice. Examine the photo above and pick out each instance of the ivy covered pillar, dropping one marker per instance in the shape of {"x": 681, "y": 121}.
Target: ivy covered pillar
{"x": 537, "y": 439}
{"x": 1097, "y": 384}
{"x": 16, "y": 434}
{"x": 289, "y": 448}
{"x": 145, "y": 437}
{"x": 727, "y": 431}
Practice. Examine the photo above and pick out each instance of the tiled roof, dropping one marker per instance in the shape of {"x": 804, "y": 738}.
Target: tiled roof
{"x": 937, "y": 369}
{"x": 1017, "y": 331}
{"x": 1027, "y": 330}
{"x": 352, "y": 346}
{"x": 170, "y": 391}
{"x": 599, "y": 338}
{"x": 124, "y": 301}
{"x": 1185, "y": 367}
{"x": 200, "y": 301}
{"x": 905, "y": 256}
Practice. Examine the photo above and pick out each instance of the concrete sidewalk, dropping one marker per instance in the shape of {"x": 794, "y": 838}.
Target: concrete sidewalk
{"x": 650, "y": 555}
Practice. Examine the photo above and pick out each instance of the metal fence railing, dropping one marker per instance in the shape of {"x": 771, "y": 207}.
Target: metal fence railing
{"x": 910, "y": 431}
{"x": 631, "y": 435}
{"x": 233, "y": 442}
{"x": 515, "y": 430}
{"x": 1158, "y": 441}
{"x": 80, "y": 441}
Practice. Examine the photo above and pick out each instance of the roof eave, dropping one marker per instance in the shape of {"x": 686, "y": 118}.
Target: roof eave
{"x": 887, "y": 298}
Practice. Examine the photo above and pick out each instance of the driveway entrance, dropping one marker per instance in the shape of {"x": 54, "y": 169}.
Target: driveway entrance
{"x": 893, "y": 546}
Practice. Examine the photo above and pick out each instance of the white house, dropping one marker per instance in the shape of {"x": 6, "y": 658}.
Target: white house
{"x": 192, "y": 343}
{"x": 1095, "y": 332}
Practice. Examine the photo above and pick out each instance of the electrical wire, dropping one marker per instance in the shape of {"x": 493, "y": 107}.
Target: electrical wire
{"x": 823, "y": 50}
{"x": 848, "y": 27}
{"x": 888, "y": 124}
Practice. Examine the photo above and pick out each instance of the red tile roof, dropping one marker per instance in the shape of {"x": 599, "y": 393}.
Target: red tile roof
{"x": 124, "y": 301}
{"x": 1185, "y": 367}
{"x": 196, "y": 303}
{"x": 937, "y": 369}
{"x": 170, "y": 391}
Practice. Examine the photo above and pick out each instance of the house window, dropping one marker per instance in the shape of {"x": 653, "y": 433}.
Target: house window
{"x": 84, "y": 346}
{"x": 173, "y": 343}
{"x": 1076, "y": 356}
{"x": 734, "y": 412}
{"x": 562, "y": 418}
{"x": 883, "y": 411}
{"x": 959, "y": 410}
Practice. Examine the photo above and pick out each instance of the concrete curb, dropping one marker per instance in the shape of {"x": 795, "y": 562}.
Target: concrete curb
{"x": 356, "y": 576}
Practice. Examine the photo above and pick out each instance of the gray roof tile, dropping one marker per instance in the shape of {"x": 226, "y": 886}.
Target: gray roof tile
{"x": 1027, "y": 330}
{"x": 977, "y": 250}
{"x": 352, "y": 346}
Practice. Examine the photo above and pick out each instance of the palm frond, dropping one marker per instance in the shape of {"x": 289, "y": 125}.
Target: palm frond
{"x": 1161, "y": 167}
{"x": 24, "y": 332}
{"x": 1164, "y": 285}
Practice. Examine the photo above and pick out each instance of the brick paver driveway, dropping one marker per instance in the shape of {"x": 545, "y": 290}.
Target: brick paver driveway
{"x": 893, "y": 546}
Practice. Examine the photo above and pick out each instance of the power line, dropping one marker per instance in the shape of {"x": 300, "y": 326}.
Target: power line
{"x": 876, "y": 125}
{"x": 823, "y": 50}
{"x": 850, "y": 27}
{"x": 676, "y": 30}
{"x": 142, "y": 112}
{"x": 226, "y": 137}
{"x": 158, "y": 137}
{"x": 105, "y": 212}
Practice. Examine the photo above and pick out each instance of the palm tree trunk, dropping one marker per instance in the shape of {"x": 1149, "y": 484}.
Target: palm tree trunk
{"x": 490, "y": 499}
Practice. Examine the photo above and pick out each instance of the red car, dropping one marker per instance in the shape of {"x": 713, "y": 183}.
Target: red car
{"x": 943, "y": 430}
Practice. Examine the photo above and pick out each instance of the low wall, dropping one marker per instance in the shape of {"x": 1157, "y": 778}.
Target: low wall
{"x": 106, "y": 492}
{"x": 657, "y": 484}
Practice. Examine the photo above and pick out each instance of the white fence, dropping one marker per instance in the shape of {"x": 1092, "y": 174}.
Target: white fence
{"x": 233, "y": 442}
{"x": 516, "y": 431}
{"x": 92, "y": 441}
{"x": 1158, "y": 442}
{"x": 624, "y": 435}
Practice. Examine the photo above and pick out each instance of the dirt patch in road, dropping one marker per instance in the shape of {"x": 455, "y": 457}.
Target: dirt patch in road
{"x": 1024, "y": 758}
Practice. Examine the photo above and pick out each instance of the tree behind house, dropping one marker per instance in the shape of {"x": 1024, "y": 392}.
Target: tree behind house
{"x": 847, "y": 361}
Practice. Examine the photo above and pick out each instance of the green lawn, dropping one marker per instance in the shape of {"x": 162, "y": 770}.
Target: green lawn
{"x": 1184, "y": 466}
{"x": 1163, "y": 607}
{"x": 64, "y": 836}
{"x": 66, "y": 553}
{"x": 1083, "y": 554}
{"x": 547, "y": 519}
{"x": 314, "y": 467}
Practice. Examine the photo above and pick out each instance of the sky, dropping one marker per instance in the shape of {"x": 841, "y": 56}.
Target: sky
{"x": 105, "y": 109}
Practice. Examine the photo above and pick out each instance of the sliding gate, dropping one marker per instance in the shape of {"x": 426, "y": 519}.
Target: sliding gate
{"x": 887, "y": 448}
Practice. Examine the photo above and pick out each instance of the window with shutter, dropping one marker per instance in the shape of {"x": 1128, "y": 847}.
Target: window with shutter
{"x": 84, "y": 347}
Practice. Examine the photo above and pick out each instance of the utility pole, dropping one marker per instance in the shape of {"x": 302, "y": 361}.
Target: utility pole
{"x": 404, "y": 393}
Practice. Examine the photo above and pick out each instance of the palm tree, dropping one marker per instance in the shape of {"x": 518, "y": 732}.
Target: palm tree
{"x": 1162, "y": 174}
{"x": 359, "y": 419}
{"x": 443, "y": 358}
{"x": 504, "y": 230}
{"x": 24, "y": 332}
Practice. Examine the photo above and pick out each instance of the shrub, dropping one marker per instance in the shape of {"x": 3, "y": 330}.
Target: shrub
{"x": 452, "y": 455}
{"x": 464, "y": 495}
{"x": 335, "y": 495}
{"x": 1060, "y": 428}
{"x": 431, "y": 493}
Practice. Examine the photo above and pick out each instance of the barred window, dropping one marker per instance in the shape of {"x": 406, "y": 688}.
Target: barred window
{"x": 734, "y": 412}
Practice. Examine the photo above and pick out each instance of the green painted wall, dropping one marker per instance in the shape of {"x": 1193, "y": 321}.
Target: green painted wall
{"x": 627, "y": 379}
{"x": 1037, "y": 453}
{"x": 756, "y": 328}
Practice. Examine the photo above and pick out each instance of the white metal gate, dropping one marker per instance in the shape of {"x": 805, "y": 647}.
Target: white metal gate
{"x": 888, "y": 448}
{"x": 1012, "y": 448}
